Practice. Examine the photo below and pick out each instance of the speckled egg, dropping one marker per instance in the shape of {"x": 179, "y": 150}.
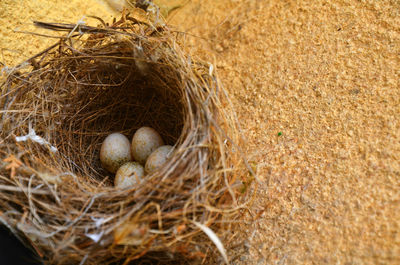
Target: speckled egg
{"x": 144, "y": 142}
{"x": 128, "y": 175}
{"x": 158, "y": 158}
{"x": 115, "y": 151}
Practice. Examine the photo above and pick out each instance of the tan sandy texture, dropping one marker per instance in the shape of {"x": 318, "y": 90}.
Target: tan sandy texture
{"x": 326, "y": 75}
{"x": 18, "y": 15}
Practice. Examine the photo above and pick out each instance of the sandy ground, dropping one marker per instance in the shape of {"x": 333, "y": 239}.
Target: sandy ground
{"x": 326, "y": 76}
{"x": 17, "y": 16}
{"x": 316, "y": 85}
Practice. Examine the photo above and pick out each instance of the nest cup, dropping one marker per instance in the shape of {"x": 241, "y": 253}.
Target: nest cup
{"x": 54, "y": 194}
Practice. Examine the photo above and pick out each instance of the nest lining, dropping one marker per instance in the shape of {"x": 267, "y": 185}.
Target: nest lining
{"x": 117, "y": 79}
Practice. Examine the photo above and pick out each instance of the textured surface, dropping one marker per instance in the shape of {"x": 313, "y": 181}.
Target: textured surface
{"x": 324, "y": 75}
{"x": 18, "y": 15}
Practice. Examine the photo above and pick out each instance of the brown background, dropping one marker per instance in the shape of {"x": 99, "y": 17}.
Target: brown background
{"x": 326, "y": 74}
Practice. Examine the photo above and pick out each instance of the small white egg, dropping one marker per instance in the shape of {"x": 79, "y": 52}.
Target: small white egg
{"x": 144, "y": 142}
{"x": 128, "y": 175}
{"x": 158, "y": 158}
{"x": 115, "y": 151}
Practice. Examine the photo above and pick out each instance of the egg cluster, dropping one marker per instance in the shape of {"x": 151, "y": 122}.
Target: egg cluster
{"x": 131, "y": 161}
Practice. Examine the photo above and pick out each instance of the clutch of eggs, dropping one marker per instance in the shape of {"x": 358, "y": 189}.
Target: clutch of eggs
{"x": 118, "y": 155}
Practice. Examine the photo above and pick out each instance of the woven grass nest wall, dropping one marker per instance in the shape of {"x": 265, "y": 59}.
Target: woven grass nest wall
{"x": 54, "y": 193}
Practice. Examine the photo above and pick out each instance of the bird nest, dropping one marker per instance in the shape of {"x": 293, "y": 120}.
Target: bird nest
{"x": 55, "y": 195}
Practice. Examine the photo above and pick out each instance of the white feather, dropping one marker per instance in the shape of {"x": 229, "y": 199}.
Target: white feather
{"x": 36, "y": 138}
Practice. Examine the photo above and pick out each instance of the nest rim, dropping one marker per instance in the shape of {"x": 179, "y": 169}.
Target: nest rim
{"x": 205, "y": 143}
